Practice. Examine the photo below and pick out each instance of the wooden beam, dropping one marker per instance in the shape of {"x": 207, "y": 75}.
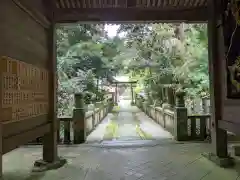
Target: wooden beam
{"x": 11, "y": 128}
{"x": 33, "y": 13}
{"x": 15, "y": 141}
{"x": 121, "y": 15}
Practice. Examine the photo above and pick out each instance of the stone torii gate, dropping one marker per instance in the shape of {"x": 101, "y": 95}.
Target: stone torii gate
{"x": 119, "y": 83}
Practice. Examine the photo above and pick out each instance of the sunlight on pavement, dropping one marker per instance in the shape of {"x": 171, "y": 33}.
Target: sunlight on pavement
{"x": 111, "y": 130}
{"x": 142, "y": 134}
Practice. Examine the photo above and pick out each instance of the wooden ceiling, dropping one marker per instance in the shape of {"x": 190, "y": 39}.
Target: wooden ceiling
{"x": 117, "y": 11}
{"x": 130, "y": 10}
{"x": 160, "y": 4}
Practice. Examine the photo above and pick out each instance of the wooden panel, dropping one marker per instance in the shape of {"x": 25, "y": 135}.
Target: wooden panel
{"x": 24, "y": 90}
{"x": 37, "y": 10}
{"x": 15, "y": 127}
{"x": 22, "y": 38}
{"x": 14, "y": 142}
{"x": 36, "y": 6}
{"x": 24, "y": 85}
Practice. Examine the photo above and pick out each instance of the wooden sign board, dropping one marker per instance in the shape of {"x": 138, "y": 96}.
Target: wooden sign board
{"x": 23, "y": 90}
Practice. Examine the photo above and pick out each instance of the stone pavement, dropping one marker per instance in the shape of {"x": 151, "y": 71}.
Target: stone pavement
{"x": 162, "y": 161}
{"x": 128, "y": 118}
{"x": 152, "y": 128}
{"x": 98, "y": 133}
{"x": 127, "y": 126}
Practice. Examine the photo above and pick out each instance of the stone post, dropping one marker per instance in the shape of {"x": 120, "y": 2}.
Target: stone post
{"x": 132, "y": 102}
{"x": 79, "y": 119}
{"x": 170, "y": 96}
{"x": 180, "y": 122}
{"x": 164, "y": 95}
{"x": 110, "y": 105}
{"x": 98, "y": 105}
{"x": 205, "y": 105}
{"x": 138, "y": 101}
{"x": 116, "y": 94}
{"x": 164, "y": 107}
{"x": 91, "y": 107}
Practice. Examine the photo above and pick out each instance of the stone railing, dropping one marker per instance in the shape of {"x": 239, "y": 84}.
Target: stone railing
{"x": 75, "y": 129}
{"x": 176, "y": 120}
{"x": 198, "y": 126}
{"x": 91, "y": 121}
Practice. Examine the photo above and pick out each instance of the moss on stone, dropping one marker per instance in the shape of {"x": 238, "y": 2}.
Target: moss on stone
{"x": 111, "y": 130}
{"x": 142, "y": 134}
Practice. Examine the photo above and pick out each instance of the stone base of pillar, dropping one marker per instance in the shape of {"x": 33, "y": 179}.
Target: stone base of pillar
{"x": 41, "y": 165}
{"x": 132, "y": 103}
{"x": 222, "y": 162}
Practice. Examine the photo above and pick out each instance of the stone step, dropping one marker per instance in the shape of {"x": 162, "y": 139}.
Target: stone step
{"x": 132, "y": 143}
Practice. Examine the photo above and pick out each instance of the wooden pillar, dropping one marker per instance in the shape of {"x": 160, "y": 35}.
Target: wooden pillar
{"x": 219, "y": 152}
{"x": 1, "y": 151}
{"x": 219, "y": 136}
{"x": 50, "y": 139}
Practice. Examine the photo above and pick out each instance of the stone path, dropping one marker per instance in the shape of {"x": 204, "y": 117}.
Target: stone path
{"x": 151, "y": 127}
{"x": 127, "y": 127}
{"x": 127, "y": 119}
{"x": 98, "y": 133}
{"x": 166, "y": 161}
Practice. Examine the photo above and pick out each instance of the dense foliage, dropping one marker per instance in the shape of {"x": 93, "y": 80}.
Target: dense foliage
{"x": 158, "y": 55}
{"x": 168, "y": 55}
